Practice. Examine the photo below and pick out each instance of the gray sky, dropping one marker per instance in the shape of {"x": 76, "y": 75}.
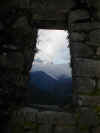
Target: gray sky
{"x": 53, "y": 47}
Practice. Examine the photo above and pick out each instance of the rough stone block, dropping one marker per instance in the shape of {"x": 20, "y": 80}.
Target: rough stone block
{"x": 49, "y": 117}
{"x": 22, "y": 32}
{"x": 7, "y": 4}
{"x": 45, "y": 129}
{"x": 22, "y": 24}
{"x": 78, "y": 15}
{"x": 19, "y": 79}
{"x": 63, "y": 118}
{"x": 83, "y": 85}
{"x": 98, "y": 84}
{"x": 94, "y": 36}
{"x": 1, "y": 26}
{"x": 79, "y": 27}
{"x": 93, "y": 44}
{"x": 12, "y": 47}
{"x": 77, "y": 37}
{"x": 95, "y": 25}
{"x": 23, "y": 4}
{"x": 85, "y": 100}
{"x": 24, "y": 120}
{"x": 96, "y": 130}
{"x": 64, "y": 129}
{"x": 28, "y": 56}
{"x": 87, "y": 117}
{"x": 81, "y": 50}
{"x": 86, "y": 68}
{"x": 12, "y": 60}
{"x": 98, "y": 52}
{"x": 25, "y": 114}
{"x": 82, "y": 130}
{"x": 86, "y": 26}
{"x": 46, "y": 117}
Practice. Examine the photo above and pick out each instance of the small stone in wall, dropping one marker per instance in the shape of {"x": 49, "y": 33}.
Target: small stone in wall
{"x": 80, "y": 27}
{"x": 46, "y": 128}
{"x": 4, "y": 54}
{"x": 78, "y": 15}
{"x": 64, "y": 129}
{"x": 98, "y": 84}
{"x": 84, "y": 85}
{"x": 94, "y": 36}
{"x": 22, "y": 24}
{"x": 98, "y": 52}
{"x": 81, "y": 50}
{"x": 77, "y": 37}
{"x": 86, "y": 67}
{"x": 1, "y": 26}
{"x": 87, "y": 117}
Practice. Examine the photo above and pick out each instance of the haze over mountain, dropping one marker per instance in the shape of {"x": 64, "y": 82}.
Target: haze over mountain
{"x": 50, "y": 83}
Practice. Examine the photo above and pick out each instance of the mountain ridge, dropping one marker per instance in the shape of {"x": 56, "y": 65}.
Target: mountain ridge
{"x": 51, "y": 82}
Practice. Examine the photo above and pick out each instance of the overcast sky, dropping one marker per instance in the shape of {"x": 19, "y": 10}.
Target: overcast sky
{"x": 53, "y": 47}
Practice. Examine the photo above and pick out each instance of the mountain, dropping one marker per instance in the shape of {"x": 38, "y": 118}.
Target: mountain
{"x": 56, "y": 70}
{"x": 50, "y": 83}
{"x": 43, "y": 81}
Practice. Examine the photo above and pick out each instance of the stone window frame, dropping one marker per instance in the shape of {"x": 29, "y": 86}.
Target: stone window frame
{"x": 59, "y": 107}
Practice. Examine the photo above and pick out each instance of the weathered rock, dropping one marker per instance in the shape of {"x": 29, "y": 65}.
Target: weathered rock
{"x": 77, "y": 37}
{"x": 64, "y": 117}
{"x": 26, "y": 113}
{"x": 28, "y": 57}
{"x": 84, "y": 85}
{"x": 19, "y": 79}
{"x": 23, "y": 120}
{"x": 55, "y": 117}
{"x": 87, "y": 117}
{"x": 64, "y": 129}
{"x": 96, "y": 130}
{"x": 23, "y": 4}
{"x": 45, "y": 128}
{"x": 82, "y": 130}
{"x": 16, "y": 52}
{"x": 22, "y": 22}
{"x": 31, "y": 120}
{"x": 81, "y": 50}
{"x": 12, "y": 47}
{"x": 78, "y": 15}
{"x": 81, "y": 27}
{"x": 87, "y": 100}
{"x": 12, "y": 60}
{"x": 22, "y": 31}
{"x": 1, "y": 26}
{"x": 46, "y": 117}
{"x": 85, "y": 27}
{"x": 95, "y": 25}
{"x": 94, "y": 36}
{"x": 86, "y": 68}
{"x": 98, "y": 84}
{"x": 98, "y": 52}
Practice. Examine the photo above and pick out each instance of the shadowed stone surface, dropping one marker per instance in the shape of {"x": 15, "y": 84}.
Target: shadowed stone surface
{"x": 19, "y": 21}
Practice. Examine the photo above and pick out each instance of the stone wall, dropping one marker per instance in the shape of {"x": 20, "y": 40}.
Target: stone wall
{"x": 17, "y": 49}
{"x": 84, "y": 29}
{"x": 35, "y": 121}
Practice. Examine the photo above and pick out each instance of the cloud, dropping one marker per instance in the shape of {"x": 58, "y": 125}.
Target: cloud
{"x": 53, "y": 46}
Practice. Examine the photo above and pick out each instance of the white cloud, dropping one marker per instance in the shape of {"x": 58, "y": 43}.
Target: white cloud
{"x": 53, "y": 46}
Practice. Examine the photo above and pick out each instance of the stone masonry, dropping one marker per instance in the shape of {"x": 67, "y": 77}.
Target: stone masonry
{"x": 17, "y": 39}
{"x": 83, "y": 26}
{"x": 18, "y": 33}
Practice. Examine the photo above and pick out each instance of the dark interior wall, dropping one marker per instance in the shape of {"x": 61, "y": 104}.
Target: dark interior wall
{"x": 84, "y": 29}
{"x": 18, "y": 32}
{"x": 17, "y": 48}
